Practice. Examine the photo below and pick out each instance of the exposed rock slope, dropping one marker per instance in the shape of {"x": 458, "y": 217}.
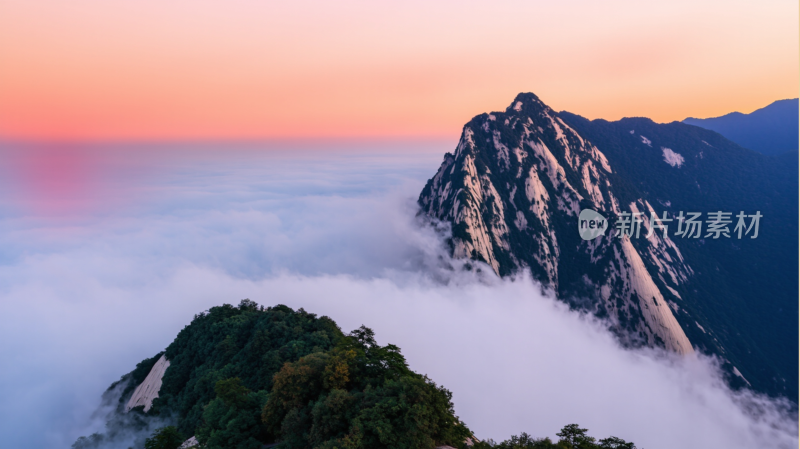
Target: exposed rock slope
{"x": 515, "y": 186}
{"x": 148, "y": 390}
{"x": 513, "y": 191}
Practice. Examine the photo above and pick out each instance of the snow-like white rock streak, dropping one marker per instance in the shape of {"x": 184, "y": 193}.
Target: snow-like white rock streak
{"x": 537, "y": 195}
{"x": 562, "y": 139}
{"x": 673, "y": 291}
{"x": 738, "y": 373}
{"x": 672, "y": 158}
{"x": 470, "y": 214}
{"x": 598, "y": 155}
{"x": 587, "y": 172}
{"x": 660, "y": 248}
{"x": 502, "y": 151}
{"x": 148, "y": 389}
{"x": 191, "y": 442}
{"x": 467, "y": 141}
{"x": 655, "y": 309}
{"x": 496, "y": 224}
{"x": 520, "y": 221}
{"x": 568, "y": 201}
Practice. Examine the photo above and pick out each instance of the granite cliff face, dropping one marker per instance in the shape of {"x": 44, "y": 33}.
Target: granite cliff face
{"x": 517, "y": 182}
{"x": 513, "y": 192}
{"x": 148, "y": 390}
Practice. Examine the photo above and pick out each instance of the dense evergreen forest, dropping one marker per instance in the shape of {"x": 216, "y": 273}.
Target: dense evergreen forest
{"x": 249, "y": 377}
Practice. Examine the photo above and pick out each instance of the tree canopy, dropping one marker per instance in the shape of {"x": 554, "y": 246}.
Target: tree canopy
{"x": 572, "y": 436}
{"x": 248, "y": 376}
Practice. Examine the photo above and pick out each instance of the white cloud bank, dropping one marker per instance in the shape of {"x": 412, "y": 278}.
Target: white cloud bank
{"x": 83, "y": 304}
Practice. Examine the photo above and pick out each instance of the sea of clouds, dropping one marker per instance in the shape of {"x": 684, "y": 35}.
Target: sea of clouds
{"x": 96, "y": 277}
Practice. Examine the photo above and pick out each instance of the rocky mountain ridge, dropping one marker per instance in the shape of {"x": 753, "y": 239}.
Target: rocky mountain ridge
{"x": 512, "y": 177}
{"x": 516, "y": 183}
{"x": 771, "y": 130}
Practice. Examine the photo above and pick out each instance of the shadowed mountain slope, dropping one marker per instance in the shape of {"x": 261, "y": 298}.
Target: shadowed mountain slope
{"x": 515, "y": 186}
{"x": 770, "y": 130}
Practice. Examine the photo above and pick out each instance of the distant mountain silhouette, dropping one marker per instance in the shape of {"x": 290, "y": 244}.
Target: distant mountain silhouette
{"x": 770, "y": 130}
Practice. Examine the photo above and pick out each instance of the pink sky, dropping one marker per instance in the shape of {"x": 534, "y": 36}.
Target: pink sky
{"x": 247, "y": 69}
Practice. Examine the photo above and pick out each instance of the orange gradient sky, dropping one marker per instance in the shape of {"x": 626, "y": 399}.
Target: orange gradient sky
{"x": 252, "y": 69}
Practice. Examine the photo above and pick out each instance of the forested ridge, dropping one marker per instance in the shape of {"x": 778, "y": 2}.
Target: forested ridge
{"x": 248, "y": 376}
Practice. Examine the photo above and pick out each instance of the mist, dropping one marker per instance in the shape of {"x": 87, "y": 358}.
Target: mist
{"x": 90, "y": 291}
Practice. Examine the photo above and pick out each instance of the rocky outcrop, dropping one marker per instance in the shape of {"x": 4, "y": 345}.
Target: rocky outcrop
{"x": 512, "y": 192}
{"x": 190, "y": 443}
{"x": 148, "y": 390}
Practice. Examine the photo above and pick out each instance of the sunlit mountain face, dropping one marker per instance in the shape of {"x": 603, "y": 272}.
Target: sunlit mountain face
{"x": 516, "y": 184}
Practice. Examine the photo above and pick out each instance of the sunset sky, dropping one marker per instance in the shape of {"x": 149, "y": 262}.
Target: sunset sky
{"x": 246, "y": 69}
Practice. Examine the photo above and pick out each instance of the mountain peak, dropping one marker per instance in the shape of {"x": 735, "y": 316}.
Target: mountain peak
{"x": 514, "y": 189}
{"x": 525, "y": 102}
{"x": 513, "y": 192}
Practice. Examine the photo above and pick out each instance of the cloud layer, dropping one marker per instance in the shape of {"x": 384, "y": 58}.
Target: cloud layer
{"x": 86, "y": 298}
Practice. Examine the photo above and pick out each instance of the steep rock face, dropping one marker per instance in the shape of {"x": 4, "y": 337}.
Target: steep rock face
{"x": 513, "y": 191}
{"x": 148, "y": 390}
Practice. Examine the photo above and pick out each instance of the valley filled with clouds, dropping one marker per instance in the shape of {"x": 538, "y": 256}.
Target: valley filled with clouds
{"x": 96, "y": 277}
